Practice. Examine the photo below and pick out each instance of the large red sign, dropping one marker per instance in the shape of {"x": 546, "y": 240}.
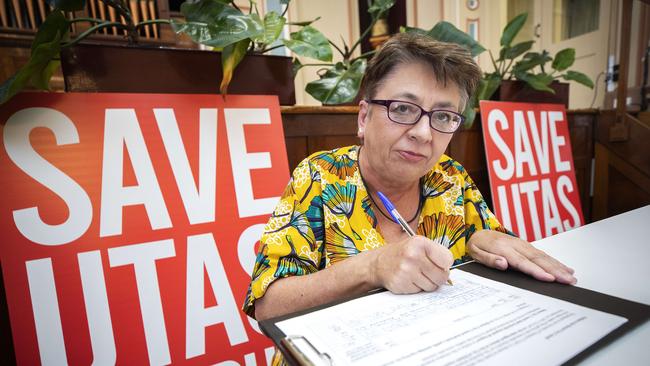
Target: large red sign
{"x": 532, "y": 179}
{"x": 129, "y": 225}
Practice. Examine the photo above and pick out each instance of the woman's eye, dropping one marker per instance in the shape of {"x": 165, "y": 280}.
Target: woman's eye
{"x": 441, "y": 117}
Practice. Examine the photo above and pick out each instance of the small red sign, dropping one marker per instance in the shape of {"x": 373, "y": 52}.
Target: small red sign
{"x": 129, "y": 225}
{"x": 532, "y": 178}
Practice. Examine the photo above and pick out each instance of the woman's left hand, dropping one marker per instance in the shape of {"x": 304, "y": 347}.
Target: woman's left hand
{"x": 498, "y": 250}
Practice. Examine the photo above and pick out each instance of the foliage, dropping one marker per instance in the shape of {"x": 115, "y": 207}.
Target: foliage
{"x": 515, "y": 61}
{"x": 53, "y": 35}
{"x": 222, "y": 25}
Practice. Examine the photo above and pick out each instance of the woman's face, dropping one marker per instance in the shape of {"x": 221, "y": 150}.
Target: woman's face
{"x": 399, "y": 153}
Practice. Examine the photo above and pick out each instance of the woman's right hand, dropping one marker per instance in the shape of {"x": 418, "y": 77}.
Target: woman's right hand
{"x": 412, "y": 265}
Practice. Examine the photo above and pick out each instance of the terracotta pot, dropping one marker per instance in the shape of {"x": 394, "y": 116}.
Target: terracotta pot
{"x": 519, "y": 91}
{"x": 147, "y": 69}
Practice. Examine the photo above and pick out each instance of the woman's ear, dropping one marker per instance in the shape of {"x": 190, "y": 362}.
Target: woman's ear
{"x": 362, "y": 118}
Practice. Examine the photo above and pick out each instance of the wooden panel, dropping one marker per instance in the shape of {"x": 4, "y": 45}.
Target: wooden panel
{"x": 618, "y": 185}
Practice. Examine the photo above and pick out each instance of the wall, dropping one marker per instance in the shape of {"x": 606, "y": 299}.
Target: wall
{"x": 340, "y": 19}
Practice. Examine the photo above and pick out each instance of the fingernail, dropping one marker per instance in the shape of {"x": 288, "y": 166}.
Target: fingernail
{"x": 501, "y": 263}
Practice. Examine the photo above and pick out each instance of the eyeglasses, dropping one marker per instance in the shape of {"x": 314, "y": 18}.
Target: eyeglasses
{"x": 407, "y": 113}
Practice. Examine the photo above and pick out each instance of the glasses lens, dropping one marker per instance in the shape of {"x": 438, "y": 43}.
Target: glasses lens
{"x": 404, "y": 112}
{"x": 445, "y": 121}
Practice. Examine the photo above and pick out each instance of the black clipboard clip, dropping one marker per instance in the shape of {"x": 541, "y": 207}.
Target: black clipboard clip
{"x": 304, "y": 353}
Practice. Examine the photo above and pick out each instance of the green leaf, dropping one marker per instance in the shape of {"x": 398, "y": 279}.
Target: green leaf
{"x": 68, "y": 5}
{"x": 579, "y": 77}
{"x": 518, "y": 49}
{"x": 487, "y": 86}
{"x": 272, "y": 26}
{"x": 55, "y": 25}
{"x": 564, "y": 59}
{"x": 309, "y": 42}
{"x": 512, "y": 29}
{"x": 208, "y": 11}
{"x": 41, "y": 80}
{"x": 296, "y": 66}
{"x": 38, "y": 67}
{"x": 339, "y": 84}
{"x": 231, "y": 56}
{"x": 537, "y": 81}
{"x": 531, "y": 60}
{"x": 379, "y": 7}
{"x": 446, "y": 32}
{"x": 224, "y": 32}
{"x": 215, "y": 23}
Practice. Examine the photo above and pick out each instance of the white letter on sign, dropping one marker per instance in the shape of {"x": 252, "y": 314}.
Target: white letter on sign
{"x": 202, "y": 253}
{"x": 143, "y": 257}
{"x": 47, "y": 318}
{"x": 121, "y": 129}
{"x": 20, "y": 151}
{"x": 97, "y": 311}
{"x": 504, "y": 173}
{"x": 243, "y": 162}
{"x": 199, "y": 203}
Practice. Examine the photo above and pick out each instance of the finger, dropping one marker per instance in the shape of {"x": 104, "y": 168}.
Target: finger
{"x": 523, "y": 264}
{"x": 423, "y": 282}
{"x": 438, "y": 254}
{"x": 562, "y": 273}
{"x": 433, "y": 273}
{"x": 489, "y": 259}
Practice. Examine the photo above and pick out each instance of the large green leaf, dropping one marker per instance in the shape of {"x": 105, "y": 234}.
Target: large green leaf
{"x": 55, "y": 25}
{"x": 215, "y": 23}
{"x": 378, "y": 7}
{"x": 487, "y": 86}
{"x": 512, "y": 29}
{"x": 537, "y": 81}
{"x": 208, "y": 11}
{"x": 37, "y": 68}
{"x": 222, "y": 33}
{"x": 339, "y": 84}
{"x": 518, "y": 50}
{"x": 579, "y": 77}
{"x": 564, "y": 59}
{"x": 446, "y": 32}
{"x": 67, "y": 5}
{"x": 531, "y": 60}
{"x": 272, "y": 26}
{"x": 309, "y": 42}
{"x": 231, "y": 56}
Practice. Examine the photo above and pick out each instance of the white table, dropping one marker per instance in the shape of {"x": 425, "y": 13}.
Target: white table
{"x": 612, "y": 256}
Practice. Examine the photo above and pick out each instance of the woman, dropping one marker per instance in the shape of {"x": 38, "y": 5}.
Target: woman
{"x": 329, "y": 239}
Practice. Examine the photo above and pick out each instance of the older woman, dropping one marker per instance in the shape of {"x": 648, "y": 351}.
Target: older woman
{"x": 329, "y": 238}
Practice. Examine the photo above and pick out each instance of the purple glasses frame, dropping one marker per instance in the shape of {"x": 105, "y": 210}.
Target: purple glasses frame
{"x": 387, "y": 102}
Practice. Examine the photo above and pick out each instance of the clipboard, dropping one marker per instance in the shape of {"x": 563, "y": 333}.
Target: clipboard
{"x": 301, "y": 352}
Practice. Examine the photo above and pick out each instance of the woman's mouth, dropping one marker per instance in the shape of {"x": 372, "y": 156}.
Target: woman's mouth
{"x": 411, "y": 156}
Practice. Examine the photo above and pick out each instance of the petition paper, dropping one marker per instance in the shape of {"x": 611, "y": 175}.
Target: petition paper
{"x": 475, "y": 321}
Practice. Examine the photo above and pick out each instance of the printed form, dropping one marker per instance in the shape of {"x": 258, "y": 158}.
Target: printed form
{"x": 476, "y": 321}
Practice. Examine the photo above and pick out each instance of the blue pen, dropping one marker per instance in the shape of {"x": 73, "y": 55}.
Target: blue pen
{"x": 398, "y": 218}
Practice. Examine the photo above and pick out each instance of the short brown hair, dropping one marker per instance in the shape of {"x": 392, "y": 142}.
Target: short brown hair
{"x": 449, "y": 62}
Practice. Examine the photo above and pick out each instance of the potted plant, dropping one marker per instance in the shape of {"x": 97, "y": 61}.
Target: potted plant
{"x": 531, "y": 69}
{"x": 134, "y": 68}
{"x": 518, "y": 75}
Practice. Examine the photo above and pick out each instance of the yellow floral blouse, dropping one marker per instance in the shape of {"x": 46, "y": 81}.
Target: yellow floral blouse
{"x": 325, "y": 215}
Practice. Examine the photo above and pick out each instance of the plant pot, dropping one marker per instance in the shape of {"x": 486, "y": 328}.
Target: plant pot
{"x": 519, "y": 91}
{"x": 146, "y": 69}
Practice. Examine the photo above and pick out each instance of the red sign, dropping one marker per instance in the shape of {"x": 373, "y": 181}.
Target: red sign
{"x": 532, "y": 179}
{"x": 129, "y": 225}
